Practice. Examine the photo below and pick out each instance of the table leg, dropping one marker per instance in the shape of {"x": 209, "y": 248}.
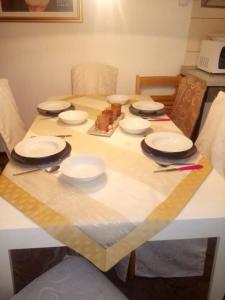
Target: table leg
{"x": 217, "y": 284}
{"x": 131, "y": 267}
{"x": 6, "y": 280}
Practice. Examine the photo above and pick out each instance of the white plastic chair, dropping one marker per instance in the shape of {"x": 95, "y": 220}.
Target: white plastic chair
{"x": 211, "y": 140}
{"x": 94, "y": 79}
{"x": 73, "y": 278}
{"x": 12, "y": 128}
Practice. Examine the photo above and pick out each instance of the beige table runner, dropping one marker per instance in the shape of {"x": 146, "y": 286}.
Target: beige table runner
{"x": 106, "y": 219}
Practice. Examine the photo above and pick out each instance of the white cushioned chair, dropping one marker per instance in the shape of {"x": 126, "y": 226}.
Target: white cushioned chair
{"x": 12, "y": 128}
{"x": 211, "y": 140}
{"x": 72, "y": 279}
{"x": 94, "y": 79}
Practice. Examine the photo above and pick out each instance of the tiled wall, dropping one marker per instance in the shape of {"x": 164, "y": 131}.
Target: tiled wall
{"x": 203, "y": 21}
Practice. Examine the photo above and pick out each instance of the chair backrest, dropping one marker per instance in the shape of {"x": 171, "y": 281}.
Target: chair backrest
{"x": 211, "y": 140}
{"x": 12, "y": 128}
{"x": 94, "y": 79}
{"x": 143, "y": 82}
{"x": 187, "y": 104}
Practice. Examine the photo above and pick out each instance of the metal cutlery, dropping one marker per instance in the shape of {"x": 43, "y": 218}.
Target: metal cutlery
{"x": 48, "y": 170}
{"x": 185, "y": 168}
{"x": 162, "y": 164}
{"x": 156, "y": 119}
{"x": 50, "y": 117}
{"x": 58, "y": 135}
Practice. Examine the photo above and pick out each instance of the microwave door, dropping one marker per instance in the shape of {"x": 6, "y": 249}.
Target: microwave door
{"x": 222, "y": 59}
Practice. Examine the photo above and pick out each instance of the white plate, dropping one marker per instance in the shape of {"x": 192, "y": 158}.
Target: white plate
{"x": 168, "y": 142}
{"x": 73, "y": 117}
{"x": 134, "y": 125}
{"x": 121, "y": 99}
{"x": 148, "y": 106}
{"x": 54, "y": 105}
{"x": 40, "y": 146}
{"x": 83, "y": 167}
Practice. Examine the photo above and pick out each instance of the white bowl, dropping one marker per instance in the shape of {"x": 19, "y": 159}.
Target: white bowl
{"x": 134, "y": 125}
{"x": 83, "y": 167}
{"x": 73, "y": 117}
{"x": 121, "y": 99}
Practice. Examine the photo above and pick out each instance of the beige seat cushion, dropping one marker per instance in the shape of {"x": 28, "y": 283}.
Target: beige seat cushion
{"x": 187, "y": 104}
{"x": 211, "y": 140}
{"x": 72, "y": 279}
{"x": 12, "y": 128}
{"x": 94, "y": 79}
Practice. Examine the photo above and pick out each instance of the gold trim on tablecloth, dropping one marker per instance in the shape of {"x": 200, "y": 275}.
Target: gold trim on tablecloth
{"x": 104, "y": 258}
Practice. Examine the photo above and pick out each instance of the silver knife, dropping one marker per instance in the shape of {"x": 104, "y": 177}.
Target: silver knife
{"x": 58, "y": 135}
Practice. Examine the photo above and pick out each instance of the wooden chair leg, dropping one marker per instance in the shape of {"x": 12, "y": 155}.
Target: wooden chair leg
{"x": 131, "y": 266}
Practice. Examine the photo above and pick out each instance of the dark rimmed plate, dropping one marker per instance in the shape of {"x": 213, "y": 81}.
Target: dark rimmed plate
{"x": 54, "y": 113}
{"x": 171, "y": 155}
{"x": 46, "y": 160}
{"x": 142, "y": 113}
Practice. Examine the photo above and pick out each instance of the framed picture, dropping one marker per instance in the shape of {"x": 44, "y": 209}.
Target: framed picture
{"x": 213, "y": 3}
{"x": 40, "y": 11}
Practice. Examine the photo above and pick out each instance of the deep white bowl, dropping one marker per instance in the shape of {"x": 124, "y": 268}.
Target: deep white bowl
{"x": 121, "y": 99}
{"x": 73, "y": 117}
{"x": 83, "y": 167}
{"x": 135, "y": 125}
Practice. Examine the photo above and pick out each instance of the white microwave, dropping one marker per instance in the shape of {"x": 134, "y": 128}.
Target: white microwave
{"x": 212, "y": 56}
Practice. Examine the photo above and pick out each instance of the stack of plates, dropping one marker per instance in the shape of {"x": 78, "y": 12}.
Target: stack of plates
{"x": 53, "y": 108}
{"x": 168, "y": 145}
{"x": 41, "y": 150}
{"x": 147, "y": 108}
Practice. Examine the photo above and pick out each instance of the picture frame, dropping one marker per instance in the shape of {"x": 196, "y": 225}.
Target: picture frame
{"x": 49, "y": 11}
{"x": 213, "y": 3}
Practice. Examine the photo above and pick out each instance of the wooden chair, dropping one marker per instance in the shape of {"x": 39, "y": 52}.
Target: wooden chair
{"x": 184, "y": 104}
{"x": 12, "y": 128}
{"x": 143, "y": 82}
{"x": 94, "y": 79}
{"x": 73, "y": 278}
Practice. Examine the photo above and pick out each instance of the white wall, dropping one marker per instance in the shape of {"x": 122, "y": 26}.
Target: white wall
{"x": 138, "y": 36}
{"x": 203, "y": 21}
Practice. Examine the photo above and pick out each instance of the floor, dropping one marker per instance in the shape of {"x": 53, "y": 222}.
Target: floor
{"x": 30, "y": 263}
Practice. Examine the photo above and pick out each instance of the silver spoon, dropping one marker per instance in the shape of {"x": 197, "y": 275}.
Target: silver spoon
{"x": 173, "y": 164}
{"x": 48, "y": 170}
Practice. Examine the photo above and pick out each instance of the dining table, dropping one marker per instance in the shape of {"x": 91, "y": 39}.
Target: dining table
{"x": 107, "y": 218}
